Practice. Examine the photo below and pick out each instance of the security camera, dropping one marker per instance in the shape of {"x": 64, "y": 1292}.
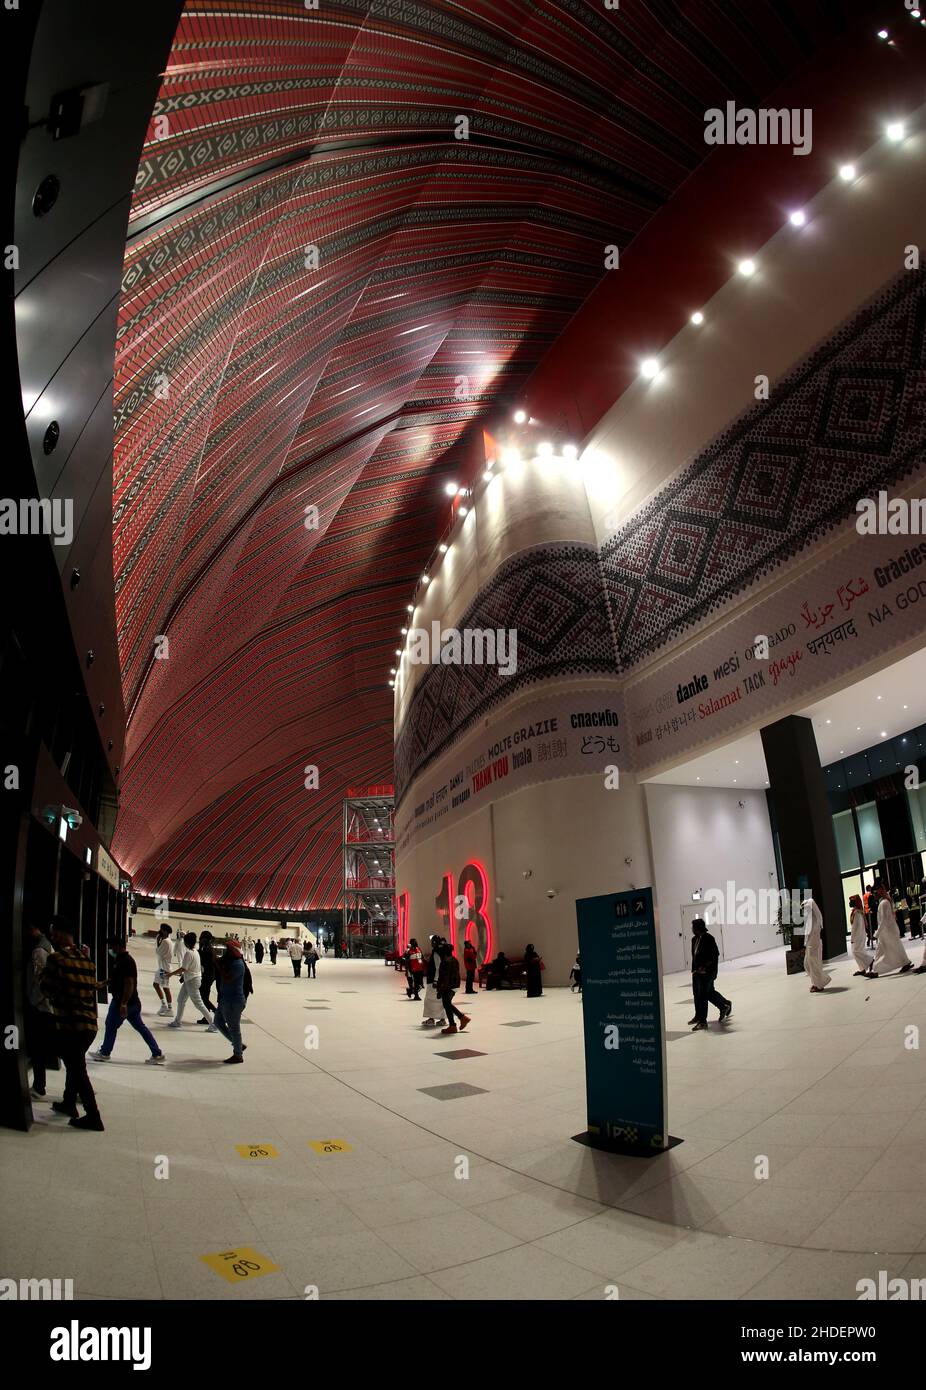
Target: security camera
{"x": 72, "y": 816}
{"x": 551, "y": 892}
{"x": 526, "y": 873}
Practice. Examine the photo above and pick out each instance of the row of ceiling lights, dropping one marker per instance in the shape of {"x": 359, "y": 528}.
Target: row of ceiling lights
{"x": 650, "y": 367}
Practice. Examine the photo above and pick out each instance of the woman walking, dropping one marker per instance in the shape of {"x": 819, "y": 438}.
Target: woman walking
{"x": 433, "y": 1008}
{"x": 448, "y": 981}
{"x": 532, "y": 968}
{"x": 858, "y": 940}
{"x": 258, "y": 951}
{"x": 231, "y": 999}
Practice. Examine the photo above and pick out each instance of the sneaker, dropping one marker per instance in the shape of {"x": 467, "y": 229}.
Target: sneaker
{"x": 211, "y": 1027}
{"x": 233, "y": 1058}
{"x": 451, "y": 1029}
{"x": 155, "y": 1059}
{"x": 36, "y": 1094}
{"x": 463, "y": 1022}
{"x": 175, "y": 1023}
{"x": 428, "y": 1023}
{"x": 60, "y": 1108}
{"x": 726, "y": 1011}
{"x": 162, "y": 1011}
{"x": 100, "y": 1056}
{"x": 87, "y": 1122}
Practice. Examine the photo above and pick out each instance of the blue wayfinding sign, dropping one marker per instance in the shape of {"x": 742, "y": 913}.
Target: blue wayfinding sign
{"x": 625, "y": 1058}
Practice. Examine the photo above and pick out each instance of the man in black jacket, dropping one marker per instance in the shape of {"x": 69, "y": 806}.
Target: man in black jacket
{"x": 704, "y": 960}
{"x": 207, "y": 956}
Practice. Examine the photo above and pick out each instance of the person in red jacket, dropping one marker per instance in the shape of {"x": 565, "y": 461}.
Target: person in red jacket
{"x": 469, "y": 965}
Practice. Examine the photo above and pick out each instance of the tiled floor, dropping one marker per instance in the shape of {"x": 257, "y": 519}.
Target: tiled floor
{"x": 804, "y": 1128}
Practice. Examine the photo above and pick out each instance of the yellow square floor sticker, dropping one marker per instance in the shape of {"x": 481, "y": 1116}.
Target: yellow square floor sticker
{"x": 236, "y": 1265}
{"x": 330, "y": 1146}
{"x": 257, "y": 1151}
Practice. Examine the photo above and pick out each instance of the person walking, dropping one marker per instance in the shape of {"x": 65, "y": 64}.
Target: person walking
{"x": 230, "y": 982}
{"x": 125, "y": 1004}
{"x": 415, "y": 971}
{"x": 295, "y": 955}
{"x": 448, "y": 982}
{"x": 705, "y": 958}
{"x": 575, "y": 976}
{"x": 207, "y": 962}
{"x": 871, "y": 913}
{"x": 307, "y": 956}
{"x": 469, "y": 965}
{"x": 890, "y": 954}
{"x": 39, "y": 1019}
{"x": 311, "y": 960}
{"x": 532, "y": 968}
{"x": 163, "y": 956}
{"x": 190, "y": 971}
{"x": 273, "y": 951}
{"x": 69, "y": 984}
{"x": 433, "y": 1012}
{"x": 259, "y": 951}
{"x": 858, "y": 939}
{"x": 813, "y": 946}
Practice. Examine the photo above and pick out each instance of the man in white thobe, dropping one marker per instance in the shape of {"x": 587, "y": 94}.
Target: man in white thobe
{"x": 813, "y": 946}
{"x": 858, "y": 940}
{"x": 890, "y": 954}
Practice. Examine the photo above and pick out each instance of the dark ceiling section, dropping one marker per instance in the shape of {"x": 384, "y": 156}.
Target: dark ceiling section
{"x": 325, "y": 292}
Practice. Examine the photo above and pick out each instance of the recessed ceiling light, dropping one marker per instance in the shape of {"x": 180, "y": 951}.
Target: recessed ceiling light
{"x": 649, "y": 368}
{"x": 463, "y": 510}
{"x": 462, "y": 491}
{"x": 895, "y": 131}
{"x": 450, "y": 489}
{"x": 747, "y": 267}
{"x": 883, "y": 34}
{"x": 520, "y": 416}
{"x": 829, "y": 721}
{"x": 398, "y": 651}
{"x": 847, "y": 172}
{"x": 697, "y": 316}
{"x": 797, "y": 218}
{"x": 410, "y": 607}
{"x": 404, "y": 631}
{"x": 392, "y": 670}
{"x": 877, "y": 697}
{"x": 425, "y": 579}
{"x": 883, "y": 734}
{"x": 442, "y": 548}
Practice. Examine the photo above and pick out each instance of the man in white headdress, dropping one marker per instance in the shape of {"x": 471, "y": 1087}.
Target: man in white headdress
{"x": 858, "y": 940}
{"x": 813, "y": 946}
{"x": 890, "y": 954}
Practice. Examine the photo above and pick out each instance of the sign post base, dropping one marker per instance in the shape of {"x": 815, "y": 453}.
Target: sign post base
{"x": 616, "y": 1146}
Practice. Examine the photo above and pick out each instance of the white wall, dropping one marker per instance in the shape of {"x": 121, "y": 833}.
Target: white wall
{"x": 701, "y": 838}
{"x": 144, "y": 921}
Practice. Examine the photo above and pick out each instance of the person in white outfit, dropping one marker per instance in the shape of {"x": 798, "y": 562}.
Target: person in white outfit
{"x": 248, "y": 948}
{"x": 433, "y": 1013}
{"x": 178, "y": 946}
{"x": 813, "y": 946}
{"x": 858, "y": 940}
{"x": 162, "y": 951}
{"x": 191, "y": 971}
{"x": 890, "y": 953}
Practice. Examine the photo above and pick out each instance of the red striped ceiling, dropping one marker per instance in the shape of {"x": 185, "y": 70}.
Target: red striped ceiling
{"x": 325, "y": 292}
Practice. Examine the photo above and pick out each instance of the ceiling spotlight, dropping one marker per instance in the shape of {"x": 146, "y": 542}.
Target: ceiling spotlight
{"x": 697, "y": 316}
{"x": 398, "y": 651}
{"x": 747, "y": 267}
{"x": 488, "y": 475}
{"x": 462, "y": 491}
{"x": 546, "y": 448}
{"x": 797, "y": 218}
{"x": 883, "y": 734}
{"x": 847, "y": 172}
{"x": 404, "y": 631}
{"x": 451, "y": 489}
{"x": 464, "y": 511}
{"x": 392, "y": 685}
{"x": 442, "y": 548}
{"x": 914, "y": 14}
{"x": 392, "y": 670}
{"x": 883, "y": 34}
{"x": 570, "y": 451}
{"x": 410, "y": 607}
{"x": 425, "y": 579}
{"x": 520, "y": 416}
{"x": 895, "y": 131}
{"x": 649, "y": 368}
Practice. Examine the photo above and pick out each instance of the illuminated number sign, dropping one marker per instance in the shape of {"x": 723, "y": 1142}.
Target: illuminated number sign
{"x": 468, "y": 908}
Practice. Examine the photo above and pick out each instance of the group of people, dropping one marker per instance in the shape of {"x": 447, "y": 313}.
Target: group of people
{"x": 61, "y": 1006}
{"x": 438, "y": 971}
{"x": 307, "y": 953}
